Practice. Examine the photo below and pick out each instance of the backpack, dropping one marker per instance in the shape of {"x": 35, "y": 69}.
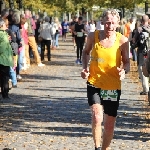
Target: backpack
{"x": 143, "y": 41}
{"x": 13, "y": 42}
{"x": 14, "y": 47}
{"x": 146, "y": 65}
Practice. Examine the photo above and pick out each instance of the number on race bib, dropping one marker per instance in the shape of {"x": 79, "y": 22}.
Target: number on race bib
{"x": 65, "y": 27}
{"x": 109, "y": 95}
{"x": 79, "y": 34}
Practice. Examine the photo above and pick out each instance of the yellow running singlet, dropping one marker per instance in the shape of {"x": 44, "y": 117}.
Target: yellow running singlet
{"x": 104, "y": 63}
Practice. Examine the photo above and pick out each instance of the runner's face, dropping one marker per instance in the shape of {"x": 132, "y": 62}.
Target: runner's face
{"x": 80, "y": 21}
{"x": 110, "y": 23}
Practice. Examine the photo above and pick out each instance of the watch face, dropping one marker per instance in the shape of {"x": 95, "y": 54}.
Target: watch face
{"x": 125, "y": 71}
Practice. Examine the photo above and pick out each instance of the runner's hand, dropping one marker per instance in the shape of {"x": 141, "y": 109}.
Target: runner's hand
{"x": 121, "y": 73}
{"x": 82, "y": 30}
{"x": 75, "y": 33}
{"x": 84, "y": 73}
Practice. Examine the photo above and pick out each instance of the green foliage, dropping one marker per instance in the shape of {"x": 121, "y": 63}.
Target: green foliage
{"x": 51, "y": 6}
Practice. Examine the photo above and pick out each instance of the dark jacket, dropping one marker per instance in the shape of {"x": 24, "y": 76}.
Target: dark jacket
{"x": 16, "y": 31}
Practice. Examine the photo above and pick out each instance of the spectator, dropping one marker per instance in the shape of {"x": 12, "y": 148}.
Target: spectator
{"x": 10, "y": 16}
{"x": 6, "y": 59}
{"x": 5, "y": 14}
{"x": 32, "y": 42}
{"x": 53, "y": 32}
{"x": 133, "y": 48}
{"x": 121, "y": 27}
{"x": 37, "y": 22}
{"x": 92, "y": 26}
{"x": 14, "y": 47}
{"x": 87, "y": 30}
{"x": 45, "y": 33}
{"x": 58, "y": 30}
{"x": 24, "y": 36}
{"x": 140, "y": 55}
{"x": 128, "y": 30}
{"x": 15, "y": 28}
{"x": 99, "y": 25}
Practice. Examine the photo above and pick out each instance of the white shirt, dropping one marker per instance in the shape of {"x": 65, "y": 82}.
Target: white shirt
{"x": 99, "y": 26}
{"x": 92, "y": 27}
{"x": 26, "y": 25}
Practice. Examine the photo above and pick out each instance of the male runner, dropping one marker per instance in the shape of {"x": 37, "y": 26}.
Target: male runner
{"x": 108, "y": 49}
{"x": 75, "y": 20}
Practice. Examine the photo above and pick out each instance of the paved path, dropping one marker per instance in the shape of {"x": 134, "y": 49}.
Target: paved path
{"x": 49, "y": 110}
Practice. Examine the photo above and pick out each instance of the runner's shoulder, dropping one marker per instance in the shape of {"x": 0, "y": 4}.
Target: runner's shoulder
{"x": 91, "y": 37}
{"x": 73, "y": 23}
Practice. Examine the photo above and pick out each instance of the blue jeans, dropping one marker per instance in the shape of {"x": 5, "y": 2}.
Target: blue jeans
{"x": 53, "y": 40}
{"x": 21, "y": 59}
{"x": 13, "y": 77}
{"x": 56, "y": 39}
{"x": 134, "y": 54}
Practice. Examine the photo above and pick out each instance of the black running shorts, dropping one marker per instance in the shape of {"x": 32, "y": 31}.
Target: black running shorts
{"x": 110, "y": 107}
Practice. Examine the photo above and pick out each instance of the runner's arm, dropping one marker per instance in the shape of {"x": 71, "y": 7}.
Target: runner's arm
{"x": 71, "y": 25}
{"x": 125, "y": 53}
{"x": 73, "y": 29}
{"x": 86, "y": 50}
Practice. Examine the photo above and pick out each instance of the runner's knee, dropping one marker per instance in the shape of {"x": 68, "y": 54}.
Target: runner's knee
{"x": 97, "y": 115}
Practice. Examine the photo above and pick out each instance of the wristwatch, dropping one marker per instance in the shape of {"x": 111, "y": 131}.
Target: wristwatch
{"x": 125, "y": 71}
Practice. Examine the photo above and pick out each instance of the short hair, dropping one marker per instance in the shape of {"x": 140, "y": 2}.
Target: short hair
{"x": 56, "y": 19}
{"x": 16, "y": 17}
{"x": 22, "y": 15}
{"x": 145, "y": 18}
{"x": 114, "y": 12}
{"x": 47, "y": 19}
{"x": 80, "y": 18}
{"x": 5, "y": 12}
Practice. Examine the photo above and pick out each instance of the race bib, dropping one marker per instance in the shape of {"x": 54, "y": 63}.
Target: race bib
{"x": 79, "y": 34}
{"x": 65, "y": 27}
{"x": 110, "y": 95}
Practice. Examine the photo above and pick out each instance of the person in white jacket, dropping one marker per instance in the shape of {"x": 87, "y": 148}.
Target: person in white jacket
{"x": 46, "y": 35}
{"x": 99, "y": 25}
{"x": 58, "y": 28}
{"x": 92, "y": 26}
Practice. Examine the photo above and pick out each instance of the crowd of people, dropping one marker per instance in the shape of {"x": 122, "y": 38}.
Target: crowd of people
{"x": 23, "y": 37}
{"x": 107, "y": 43}
{"x": 137, "y": 31}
